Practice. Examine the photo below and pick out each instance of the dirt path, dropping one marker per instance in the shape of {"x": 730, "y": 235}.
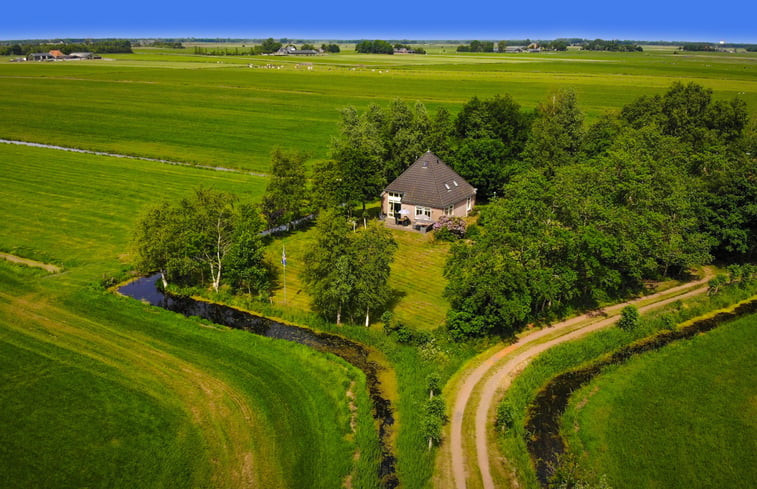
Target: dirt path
{"x": 499, "y": 376}
{"x": 30, "y": 263}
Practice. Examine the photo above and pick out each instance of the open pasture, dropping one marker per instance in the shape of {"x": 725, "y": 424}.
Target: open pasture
{"x": 683, "y": 416}
{"x": 79, "y": 210}
{"x": 218, "y": 111}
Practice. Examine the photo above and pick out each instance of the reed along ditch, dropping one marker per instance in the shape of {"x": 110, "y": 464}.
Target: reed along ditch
{"x": 146, "y": 289}
{"x": 545, "y": 444}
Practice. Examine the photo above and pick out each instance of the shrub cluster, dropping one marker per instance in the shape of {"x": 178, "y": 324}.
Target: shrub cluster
{"x": 449, "y": 228}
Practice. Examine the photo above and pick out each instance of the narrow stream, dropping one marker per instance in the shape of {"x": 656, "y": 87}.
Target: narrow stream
{"x": 145, "y": 289}
{"x": 545, "y": 444}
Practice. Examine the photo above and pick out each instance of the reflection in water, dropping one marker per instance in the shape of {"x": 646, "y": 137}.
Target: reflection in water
{"x": 145, "y": 289}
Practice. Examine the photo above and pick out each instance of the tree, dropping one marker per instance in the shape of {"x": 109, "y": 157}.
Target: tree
{"x": 347, "y": 273}
{"x": 556, "y": 133}
{"x": 373, "y": 249}
{"x": 158, "y": 243}
{"x": 358, "y": 152}
{"x": 270, "y": 46}
{"x": 246, "y": 268}
{"x": 629, "y": 318}
{"x": 484, "y": 164}
{"x": 286, "y": 195}
{"x": 198, "y": 237}
{"x": 329, "y": 267}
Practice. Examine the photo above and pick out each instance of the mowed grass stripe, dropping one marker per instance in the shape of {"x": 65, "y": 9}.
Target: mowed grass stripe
{"x": 253, "y": 407}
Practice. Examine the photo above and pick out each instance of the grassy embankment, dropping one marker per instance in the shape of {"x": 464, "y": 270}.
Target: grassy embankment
{"x": 680, "y": 417}
{"x": 101, "y": 388}
{"x": 181, "y": 107}
{"x": 576, "y": 353}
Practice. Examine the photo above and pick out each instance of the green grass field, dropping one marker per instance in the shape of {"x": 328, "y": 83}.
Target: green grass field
{"x": 101, "y": 390}
{"x": 217, "y": 111}
{"x": 680, "y": 417}
{"x": 148, "y": 399}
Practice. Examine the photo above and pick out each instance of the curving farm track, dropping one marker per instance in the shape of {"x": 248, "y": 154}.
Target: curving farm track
{"x": 496, "y": 370}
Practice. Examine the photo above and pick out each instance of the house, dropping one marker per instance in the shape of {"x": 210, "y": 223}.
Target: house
{"x": 426, "y": 191}
{"x": 57, "y": 54}
{"x": 39, "y": 57}
{"x": 291, "y": 50}
{"x": 514, "y": 49}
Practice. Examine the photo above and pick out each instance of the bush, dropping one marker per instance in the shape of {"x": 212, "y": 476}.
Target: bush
{"x": 629, "y": 318}
{"x": 449, "y": 228}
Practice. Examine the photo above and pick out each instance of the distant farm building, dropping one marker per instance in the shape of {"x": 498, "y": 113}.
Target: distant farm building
{"x": 515, "y": 49}
{"x": 81, "y": 55}
{"x": 426, "y": 191}
{"x": 292, "y": 50}
{"x": 57, "y": 54}
{"x": 39, "y": 57}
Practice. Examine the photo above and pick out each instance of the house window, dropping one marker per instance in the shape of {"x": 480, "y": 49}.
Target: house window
{"x": 422, "y": 212}
{"x": 468, "y": 204}
{"x": 448, "y": 211}
{"x": 395, "y": 203}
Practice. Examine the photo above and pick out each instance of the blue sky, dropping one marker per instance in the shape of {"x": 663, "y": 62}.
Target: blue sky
{"x": 731, "y": 21}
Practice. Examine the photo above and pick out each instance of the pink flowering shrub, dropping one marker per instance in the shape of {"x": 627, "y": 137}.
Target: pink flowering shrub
{"x": 449, "y": 228}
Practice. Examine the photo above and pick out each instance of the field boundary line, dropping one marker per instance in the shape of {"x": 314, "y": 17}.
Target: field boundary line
{"x": 130, "y": 157}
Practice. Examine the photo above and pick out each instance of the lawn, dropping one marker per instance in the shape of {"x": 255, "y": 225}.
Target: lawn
{"x": 680, "y": 417}
{"x": 182, "y": 107}
{"x": 416, "y": 276}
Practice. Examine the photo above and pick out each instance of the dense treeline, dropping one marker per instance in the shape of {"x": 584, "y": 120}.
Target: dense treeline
{"x": 602, "y": 45}
{"x": 476, "y": 47}
{"x": 100, "y": 47}
{"x": 588, "y": 215}
{"x": 167, "y": 44}
{"x": 268, "y": 46}
{"x": 374, "y": 47}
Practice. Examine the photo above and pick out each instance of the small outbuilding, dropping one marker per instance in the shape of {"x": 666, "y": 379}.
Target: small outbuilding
{"x": 426, "y": 191}
{"x": 84, "y": 55}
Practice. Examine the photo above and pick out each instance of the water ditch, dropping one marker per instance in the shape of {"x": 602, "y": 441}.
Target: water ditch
{"x": 146, "y": 289}
{"x": 545, "y": 445}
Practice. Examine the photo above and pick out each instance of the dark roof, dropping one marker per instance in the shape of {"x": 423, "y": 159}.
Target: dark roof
{"x": 430, "y": 182}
